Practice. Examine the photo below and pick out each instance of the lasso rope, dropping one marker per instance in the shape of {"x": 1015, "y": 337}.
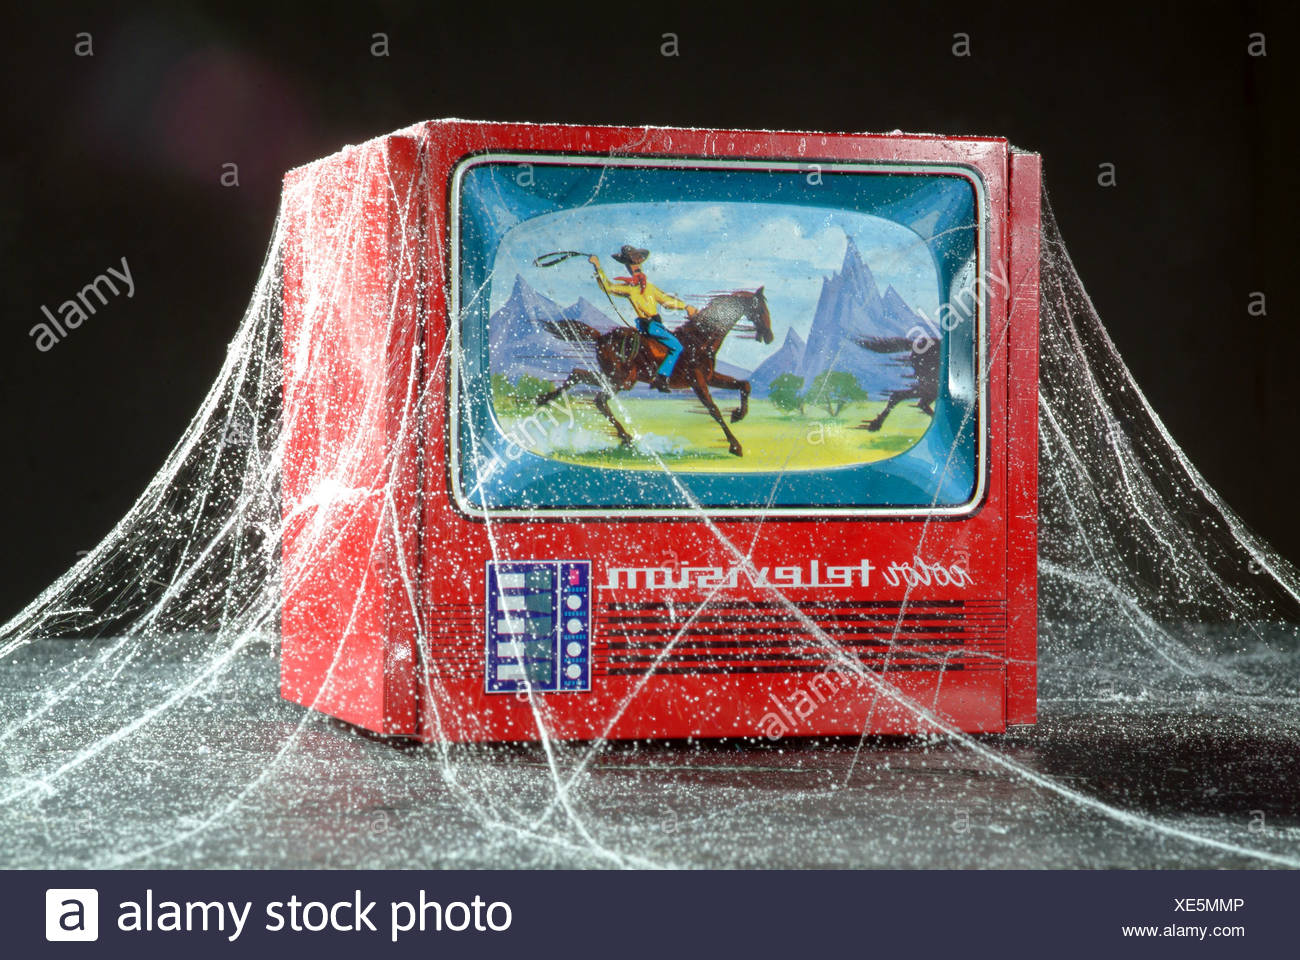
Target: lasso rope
{"x": 559, "y": 256}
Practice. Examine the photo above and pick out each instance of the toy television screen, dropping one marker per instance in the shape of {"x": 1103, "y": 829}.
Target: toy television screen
{"x": 845, "y": 295}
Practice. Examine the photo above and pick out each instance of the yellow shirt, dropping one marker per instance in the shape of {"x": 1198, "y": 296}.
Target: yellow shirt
{"x": 644, "y": 302}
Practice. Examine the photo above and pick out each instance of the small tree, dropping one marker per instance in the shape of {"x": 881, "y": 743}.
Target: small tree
{"x": 522, "y": 393}
{"x": 834, "y": 390}
{"x": 784, "y": 393}
{"x": 503, "y": 395}
{"x": 528, "y": 388}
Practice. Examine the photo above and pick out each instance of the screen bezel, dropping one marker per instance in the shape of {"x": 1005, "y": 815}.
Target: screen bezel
{"x": 981, "y": 427}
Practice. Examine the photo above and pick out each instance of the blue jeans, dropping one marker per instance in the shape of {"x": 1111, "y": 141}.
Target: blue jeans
{"x": 654, "y": 328}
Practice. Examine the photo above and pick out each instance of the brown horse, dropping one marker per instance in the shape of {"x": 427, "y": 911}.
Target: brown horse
{"x": 626, "y": 357}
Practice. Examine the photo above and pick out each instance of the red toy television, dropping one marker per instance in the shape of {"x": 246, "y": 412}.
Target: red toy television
{"x": 659, "y": 433}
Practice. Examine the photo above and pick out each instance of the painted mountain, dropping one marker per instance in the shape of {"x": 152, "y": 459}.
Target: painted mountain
{"x": 850, "y": 306}
{"x": 788, "y": 359}
{"x": 517, "y": 343}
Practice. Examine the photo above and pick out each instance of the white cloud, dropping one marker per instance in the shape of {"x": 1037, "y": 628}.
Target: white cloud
{"x": 699, "y": 216}
{"x": 783, "y": 239}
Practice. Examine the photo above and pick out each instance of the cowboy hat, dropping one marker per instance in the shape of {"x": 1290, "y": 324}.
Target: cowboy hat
{"x": 631, "y": 255}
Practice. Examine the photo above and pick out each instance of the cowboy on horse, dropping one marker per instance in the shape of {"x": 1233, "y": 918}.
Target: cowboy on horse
{"x": 645, "y": 299}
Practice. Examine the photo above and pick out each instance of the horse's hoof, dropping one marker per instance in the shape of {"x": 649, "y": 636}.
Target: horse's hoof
{"x": 873, "y": 427}
{"x": 736, "y": 449}
{"x": 737, "y": 415}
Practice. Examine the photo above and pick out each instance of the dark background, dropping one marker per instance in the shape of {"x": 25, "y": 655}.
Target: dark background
{"x": 120, "y": 154}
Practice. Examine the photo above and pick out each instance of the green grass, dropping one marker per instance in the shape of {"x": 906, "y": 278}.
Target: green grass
{"x": 685, "y": 437}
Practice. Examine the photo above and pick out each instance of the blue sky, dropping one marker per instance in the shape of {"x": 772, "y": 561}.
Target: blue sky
{"x": 698, "y": 247}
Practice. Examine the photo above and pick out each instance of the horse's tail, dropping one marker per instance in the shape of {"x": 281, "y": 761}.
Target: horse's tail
{"x": 574, "y": 331}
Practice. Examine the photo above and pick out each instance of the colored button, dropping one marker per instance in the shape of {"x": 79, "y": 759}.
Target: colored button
{"x": 573, "y": 671}
{"x": 574, "y": 649}
{"x": 574, "y": 601}
{"x": 574, "y": 625}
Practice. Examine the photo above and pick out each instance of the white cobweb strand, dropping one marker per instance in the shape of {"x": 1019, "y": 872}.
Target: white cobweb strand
{"x": 1137, "y": 553}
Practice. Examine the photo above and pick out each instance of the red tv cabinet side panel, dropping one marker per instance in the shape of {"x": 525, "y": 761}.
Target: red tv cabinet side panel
{"x": 353, "y": 228}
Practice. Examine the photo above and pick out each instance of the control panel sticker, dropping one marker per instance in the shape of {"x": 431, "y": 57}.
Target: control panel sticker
{"x": 538, "y": 626}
